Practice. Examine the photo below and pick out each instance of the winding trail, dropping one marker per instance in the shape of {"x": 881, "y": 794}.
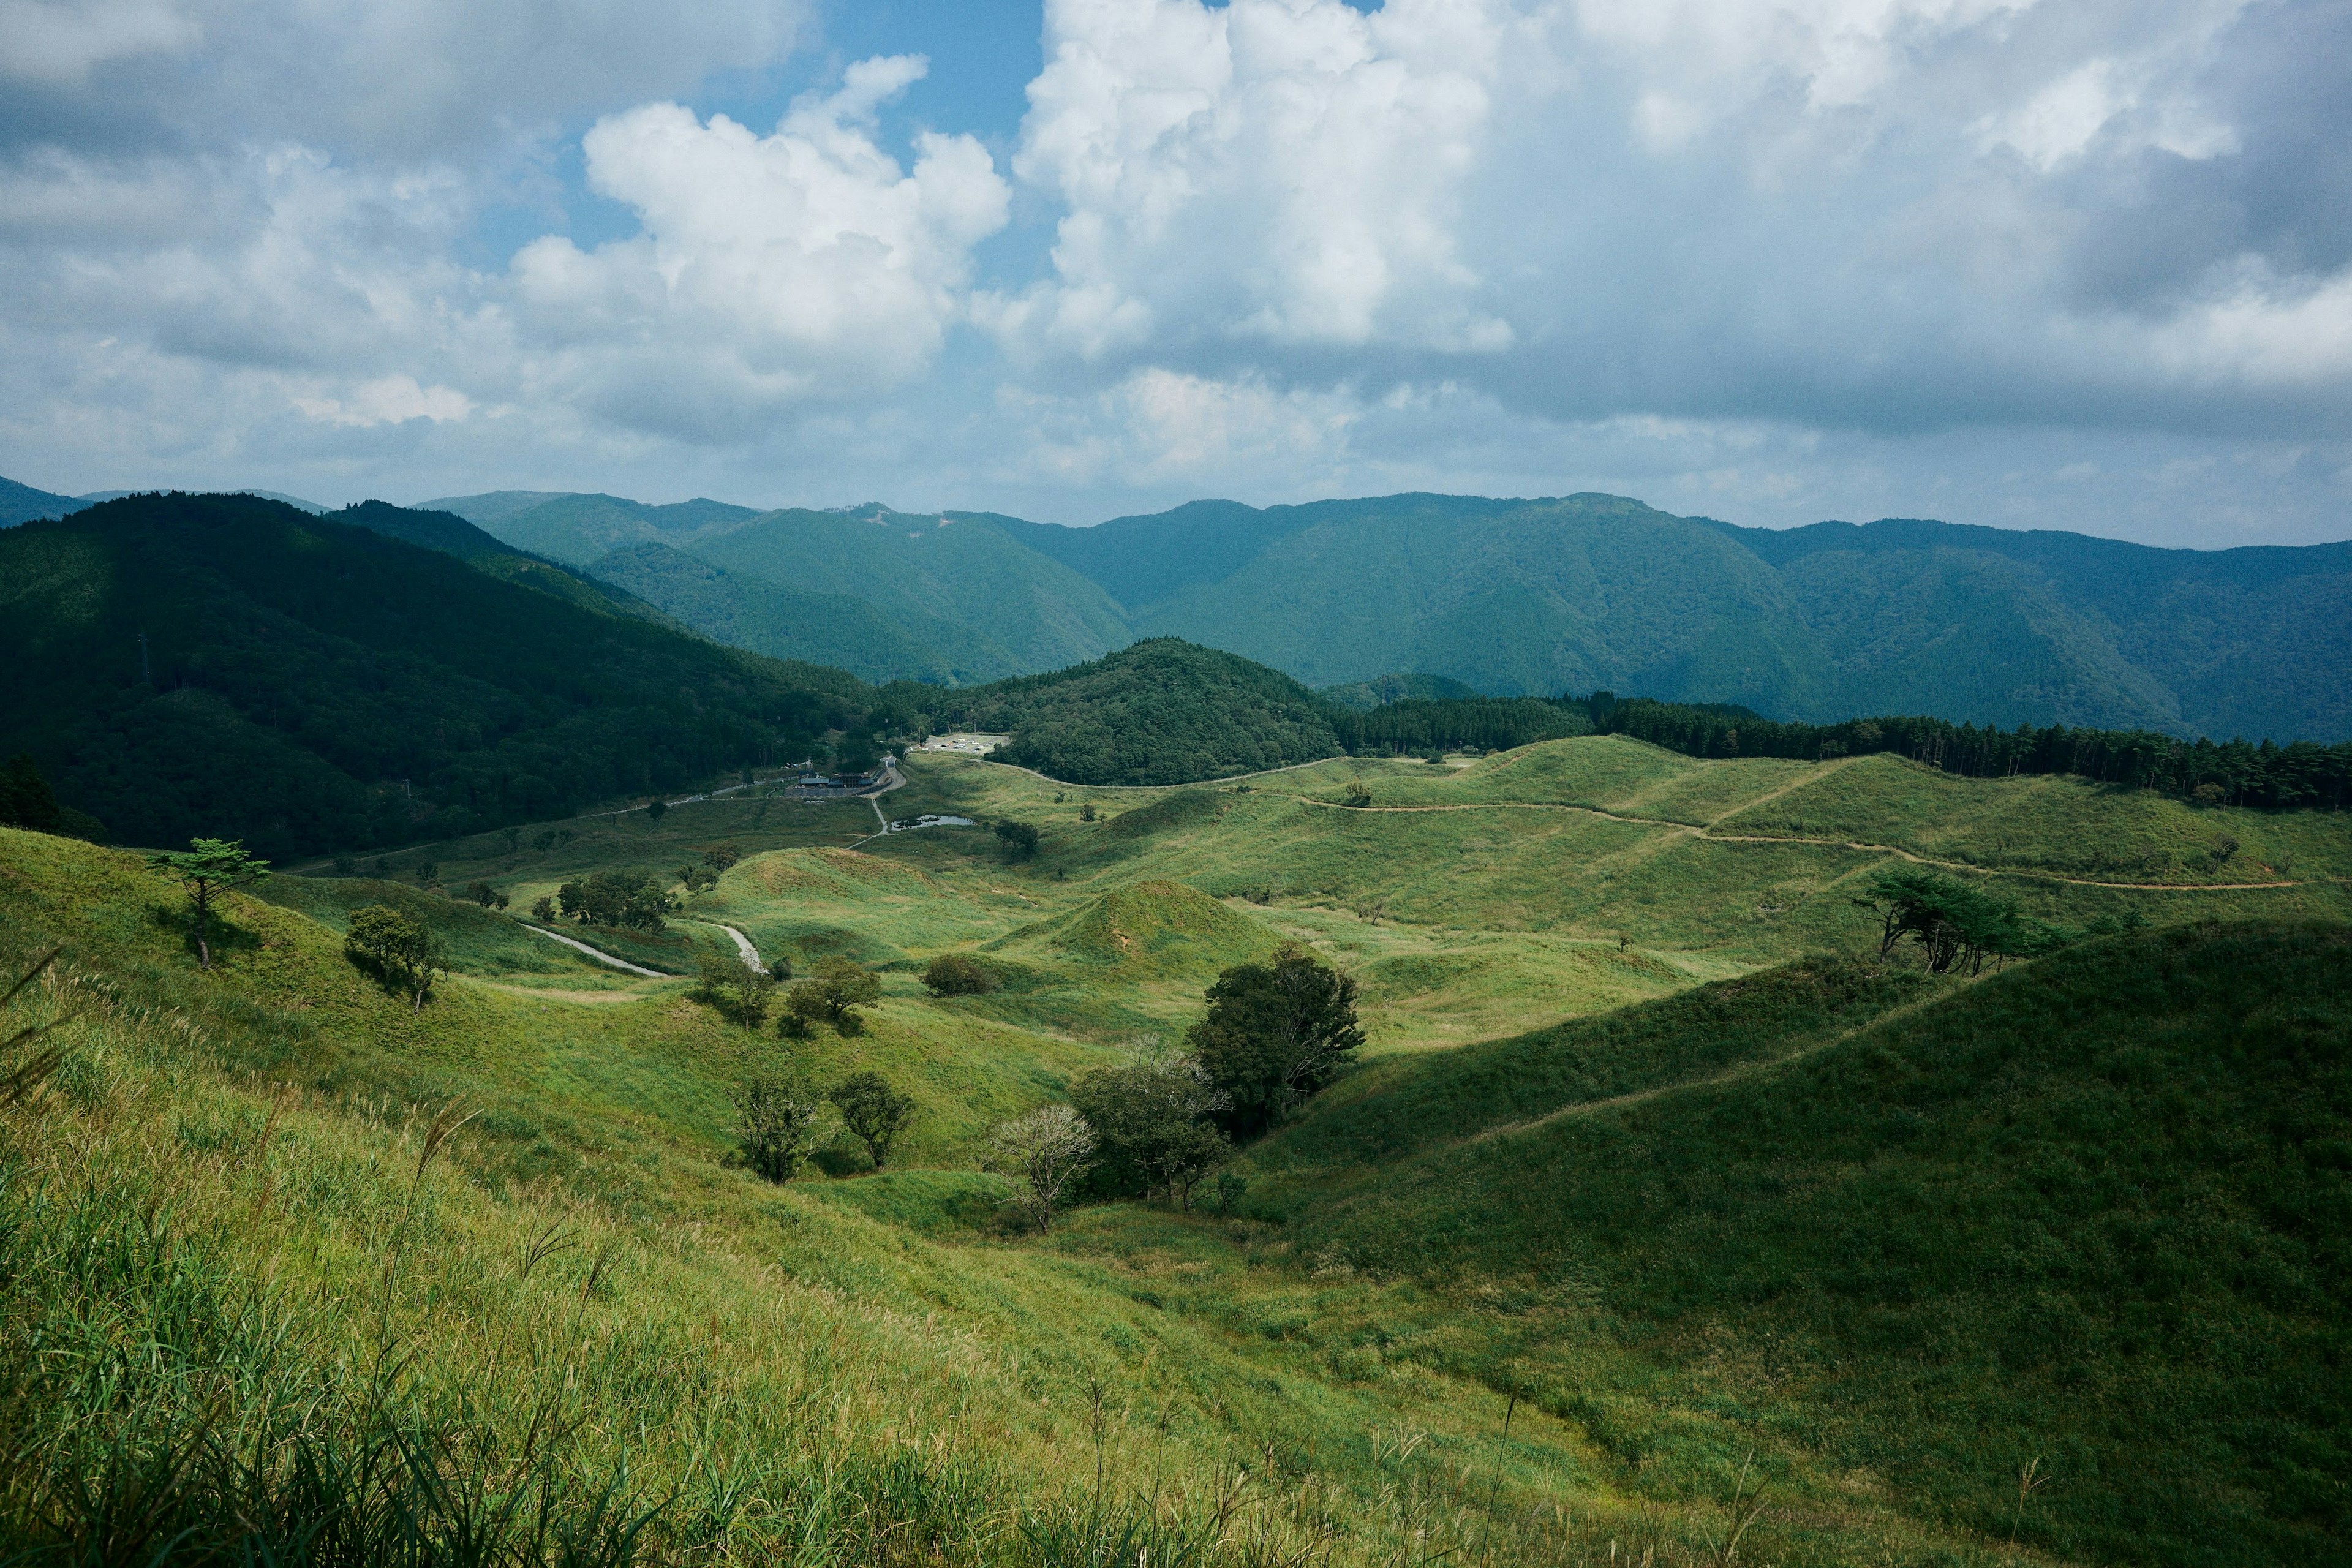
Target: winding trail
{"x": 743, "y": 945}
{"x": 599, "y": 955}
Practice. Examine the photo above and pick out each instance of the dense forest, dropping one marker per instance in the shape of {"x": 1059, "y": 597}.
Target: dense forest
{"x": 230, "y": 666}
{"x": 1162, "y": 711}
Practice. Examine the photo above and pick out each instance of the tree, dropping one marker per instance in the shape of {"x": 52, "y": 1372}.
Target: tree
{"x": 1360, "y": 794}
{"x": 482, "y": 894}
{"x": 658, "y": 809}
{"x": 697, "y": 879}
{"x": 727, "y": 982}
{"x": 542, "y": 907}
{"x": 1151, "y": 1122}
{"x": 24, "y": 798}
{"x": 1276, "y": 1034}
{"x": 208, "y": 867}
{"x": 1953, "y": 923}
{"x": 778, "y": 1122}
{"x": 834, "y": 992}
{"x": 402, "y": 954}
{"x": 722, "y": 856}
{"x": 873, "y": 1111}
{"x": 1043, "y": 1152}
{"x": 616, "y": 898}
{"x": 1087, "y": 811}
{"x": 953, "y": 974}
{"x": 1018, "y": 838}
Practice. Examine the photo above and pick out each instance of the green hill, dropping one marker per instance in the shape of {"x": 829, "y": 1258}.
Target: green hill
{"x": 753, "y": 613}
{"x": 453, "y": 535}
{"x": 317, "y": 686}
{"x": 1156, "y": 926}
{"x": 1162, "y": 711}
{"x": 1020, "y": 611}
{"x": 23, "y": 503}
{"x": 2094, "y": 1213}
{"x": 578, "y": 529}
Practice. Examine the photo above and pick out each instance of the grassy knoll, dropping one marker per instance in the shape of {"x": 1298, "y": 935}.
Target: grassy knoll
{"x": 2093, "y": 1211}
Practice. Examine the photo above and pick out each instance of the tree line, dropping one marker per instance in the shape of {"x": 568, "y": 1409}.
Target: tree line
{"x": 2228, "y": 773}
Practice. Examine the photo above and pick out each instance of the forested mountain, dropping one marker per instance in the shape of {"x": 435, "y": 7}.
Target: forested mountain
{"x": 766, "y": 617}
{"x": 453, "y": 535}
{"x": 1160, "y": 712}
{"x": 23, "y": 503}
{"x": 1543, "y": 597}
{"x": 1023, "y": 610}
{"x": 577, "y": 528}
{"x": 313, "y": 684}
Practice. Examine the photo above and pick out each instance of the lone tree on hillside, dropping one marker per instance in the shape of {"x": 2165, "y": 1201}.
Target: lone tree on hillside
{"x": 1043, "y": 1152}
{"x": 874, "y": 1113}
{"x": 1151, "y": 1119}
{"x": 834, "y": 992}
{"x": 402, "y": 954}
{"x": 208, "y": 867}
{"x": 1276, "y": 1034}
{"x": 1954, "y": 924}
{"x": 1018, "y": 838}
{"x": 953, "y": 974}
{"x": 778, "y": 1122}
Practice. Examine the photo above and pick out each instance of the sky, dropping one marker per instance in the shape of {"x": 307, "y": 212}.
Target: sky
{"x": 2081, "y": 264}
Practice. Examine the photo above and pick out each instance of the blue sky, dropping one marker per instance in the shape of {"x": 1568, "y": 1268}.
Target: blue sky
{"x": 2084, "y": 265}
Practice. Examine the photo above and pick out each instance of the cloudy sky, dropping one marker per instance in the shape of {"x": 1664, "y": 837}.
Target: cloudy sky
{"x": 2037, "y": 263}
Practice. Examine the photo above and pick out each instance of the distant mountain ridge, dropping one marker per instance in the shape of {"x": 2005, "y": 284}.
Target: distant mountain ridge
{"x": 1506, "y": 597}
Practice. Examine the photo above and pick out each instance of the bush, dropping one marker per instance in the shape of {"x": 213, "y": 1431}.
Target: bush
{"x": 402, "y": 954}
{"x": 874, "y": 1113}
{"x": 1018, "y": 838}
{"x": 834, "y": 994}
{"x": 953, "y": 974}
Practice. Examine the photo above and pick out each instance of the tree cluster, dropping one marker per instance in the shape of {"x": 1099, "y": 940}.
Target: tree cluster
{"x": 623, "y": 897}
{"x": 732, "y": 986}
{"x": 402, "y": 954}
{"x": 1154, "y": 1123}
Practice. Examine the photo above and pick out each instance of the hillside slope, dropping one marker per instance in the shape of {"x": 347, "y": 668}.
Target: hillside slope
{"x": 577, "y": 528}
{"x": 919, "y": 569}
{"x": 317, "y": 686}
{"x": 2095, "y": 1211}
{"x": 749, "y": 612}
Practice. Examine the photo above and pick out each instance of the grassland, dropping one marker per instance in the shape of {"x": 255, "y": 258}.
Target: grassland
{"x": 218, "y": 1243}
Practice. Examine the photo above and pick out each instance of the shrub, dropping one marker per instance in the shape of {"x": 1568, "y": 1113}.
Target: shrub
{"x": 953, "y": 974}
{"x": 1043, "y": 1152}
{"x": 874, "y": 1113}
{"x": 402, "y": 954}
{"x": 778, "y": 1122}
{"x": 834, "y": 992}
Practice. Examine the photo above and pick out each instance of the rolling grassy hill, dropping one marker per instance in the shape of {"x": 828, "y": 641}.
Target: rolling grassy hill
{"x": 2093, "y": 1213}
{"x": 1873, "y": 1238}
{"x": 319, "y": 685}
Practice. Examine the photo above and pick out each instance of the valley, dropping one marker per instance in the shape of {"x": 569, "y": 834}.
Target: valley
{"x": 1657, "y": 1210}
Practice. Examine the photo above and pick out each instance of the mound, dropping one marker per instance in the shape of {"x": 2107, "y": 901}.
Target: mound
{"x": 1157, "y": 925}
{"x": 2093, "y": 1211}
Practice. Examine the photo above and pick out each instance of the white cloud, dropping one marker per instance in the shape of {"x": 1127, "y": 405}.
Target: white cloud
{"x": 770, "y": 270}
{"x": 1159, "y": 427}
{"x": 1283, "y": 172}
{"x": 389, "y": 399}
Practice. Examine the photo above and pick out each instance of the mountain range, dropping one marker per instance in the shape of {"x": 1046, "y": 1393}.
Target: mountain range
{"x": 1412, "y": 594}
{"x": 1513, "y": 598}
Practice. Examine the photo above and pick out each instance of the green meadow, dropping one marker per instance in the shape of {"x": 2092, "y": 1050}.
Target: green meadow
{"x": 1660, "y": 1221}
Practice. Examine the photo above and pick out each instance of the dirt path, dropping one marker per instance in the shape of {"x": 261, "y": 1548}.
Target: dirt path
{"x": 1769, "y": 796}
{"x": 599, "y": 955}
{"x": 743, "y": 945}
{"x": 1699, "y": 830}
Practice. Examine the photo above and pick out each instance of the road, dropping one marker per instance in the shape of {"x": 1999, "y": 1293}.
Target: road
{"x": 599, "y": 956}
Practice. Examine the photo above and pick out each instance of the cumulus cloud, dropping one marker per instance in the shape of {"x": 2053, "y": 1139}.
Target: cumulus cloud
{"x": 770, "y": 270}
